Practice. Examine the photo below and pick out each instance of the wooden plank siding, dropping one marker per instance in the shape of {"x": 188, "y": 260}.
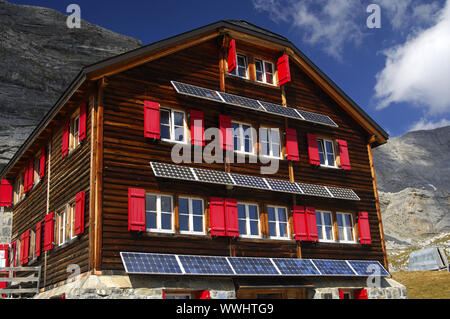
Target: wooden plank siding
{"x": 127, "y": 155}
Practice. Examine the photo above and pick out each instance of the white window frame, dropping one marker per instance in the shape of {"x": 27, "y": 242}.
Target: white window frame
{"x": 248, "y": 219}
{"x": 352, "y": 227}
{"x": 3, "y": 260}
{"x": 277, "y": 223}
{"x": 172, "y": 138}
{"x": 235, "y": 72}
{"x": 323, "y": 141}
{"x": 74, "y": 132}
{"x": 36, "y": 167}
{"x": 270, "y": 142}
{"x": 61, "y": 222}
{"x": 323, "y": 226}
{"x": 191, "y": 216}
{"x": 264, "y": 73}
{"x": 241, "y": 149}
{"x": 158, "y": 212}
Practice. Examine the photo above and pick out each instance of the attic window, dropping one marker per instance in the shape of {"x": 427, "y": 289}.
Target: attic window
{"x": 264, "y": 71}
{"x": 242, "y": 67}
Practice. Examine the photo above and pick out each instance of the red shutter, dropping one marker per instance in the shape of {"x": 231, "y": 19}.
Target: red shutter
{"x": 49, "y": 231}
{"x": 300, "y": 226}
{"x": 21, "y": 249}
{"x": 197, "y": 128}
{"x": 284, "y": 73}
{"x": 6, "y": 189}
{"x": 341, "y": 294}
{"x": 226, "y": 133}
{"x": 82, "y": 122}
{"x": 37, "y": 245}
{"x": 343, "y": 154}
{"x": 232, "y": 62}
{"x": 65, "y": 140}
{"x": 361, "y": 294}
{"x": 136, "y": 209}
{"x": 29, "y": 177}
{"x": 364, "y": 228}
{"x": 26, "y": 246}
{"x": 42, "y": 163}
{"x": 217, "y": 216}
{"x": 313, "y": 149}
{"x": 203, "y": 295}
{"x": 292, "y": 145}
{"x": 151, "y": 120}
{"x": 231, "y": 218}
{"x": 79, "y": 213}
{"x": 312, "y": 224}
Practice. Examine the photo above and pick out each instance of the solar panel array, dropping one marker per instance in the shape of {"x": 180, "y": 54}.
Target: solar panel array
{"x": 222, "y": 178}
{"x": 203, "y": 93}
{"x": 167, "y": 264}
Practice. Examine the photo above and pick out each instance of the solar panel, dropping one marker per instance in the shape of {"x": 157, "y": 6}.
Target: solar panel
{"x": 314, "y": 190}
{"x": 196, "y": 91}
{"x": 367, "y": 268}
{"x": 317, "y": 118}
{"x": 249, "y": 181}
{"x": 172, "y": 171}
{"x": 333, "y": 267}
{"x": 280, "y": 110}
{"x": 211, "y": 176}
{"x": 295, "y": 266}
{"x": 140, "y": 263}
{"x": 283, "y": 186}
{"x": 253, "y": 266}
{"x": 205, "y": 265}
{"x": 343, "y": 193}
{"x": 240, "y": 101}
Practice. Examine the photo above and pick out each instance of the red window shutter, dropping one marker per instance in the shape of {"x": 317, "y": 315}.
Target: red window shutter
{"x": 217, "y": 216}
{"x": 312, "y": 224}
{"x": 343, "y": 154}
{"x": 21, "y": 250}
{"x": 292, "y": 145}
{"x": 82, "y": 122}
{"x": 49, "y": 231}
{"x": 65, "y": 140}
{"x": 226, "y": 133}
{"x": 364, "y": 228}
{"x": 151, "y": 120}
{"x": 37, "y": 245}
{"x": 231, "y": 218}
{"x": 300, "y": 226}
{"x": 6, "y": 189}
{"x": 136, "y": 209}
{"x": 197, "y": 128}
{"x": 203, "y": 295}
{"x": 313, "y": 149}
{"x": 42, "y": 163}
{"x": 232, "y": 57}
{"x": 284, "y": 73}
{"x": 341, "y": 294}
{"x": 361, "y": 294}
{"x": 29, "y": 177}
{"x": 26, "y": 246}
{"x": 79, "y": 213}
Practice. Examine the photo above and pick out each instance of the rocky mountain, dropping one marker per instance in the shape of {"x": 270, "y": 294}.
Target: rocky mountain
{"x": 413, "y": 177}
{"x": 39, "y": 57}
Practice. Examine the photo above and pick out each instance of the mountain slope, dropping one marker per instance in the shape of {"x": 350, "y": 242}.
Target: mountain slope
{"x": 39, "y": 57}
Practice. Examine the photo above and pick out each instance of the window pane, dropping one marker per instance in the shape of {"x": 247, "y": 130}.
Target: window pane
{"x": 178, "y": 118}
{"x": 327, "y": 218}
{"x": 328, "y": 233}
{"x": 254, "y": 228}
{"x": 329, "y": 147}
{"x": 253, "y": 212}
{"x": 166, "y": 204}
{"x": 197, "y": 207}
{"x": 184, "y": 222}
{"x": 150, "y": 220}
{"x": 281, "y": 214}
{"x": 349, "y": 233}
{"x": 183, "y": 206}
{"x": 268, "y": 66}
{"x": 165, "y": 131}
{"x": 242, "y": 227}
{"x": 318, "y": 218}
{"x": 263, "y": 135}
{"x": 330, "y": 159}
{"x": 166, "y": 221}
{"x": 179, "y": 134}
{"x": 150, "y": 203}
{"x": 272, "y": 231}
{"x": 275, "y": 136}
{"x": 283, "y": 230}
{"x": 339, "y": 219}
{"x": 164, "y": 117}
{"x": 198, "y": 223}
{"x": 341, "y": 233}
{"x": 247, "y": 146}
{"x": 348, "y": 220}
{"x": 265, "y": 149}
{"x": 241, "y": 211}
{"x": 271, "y": 213}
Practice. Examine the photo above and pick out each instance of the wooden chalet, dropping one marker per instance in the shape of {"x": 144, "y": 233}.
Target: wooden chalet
{"x": 95, "y": 185}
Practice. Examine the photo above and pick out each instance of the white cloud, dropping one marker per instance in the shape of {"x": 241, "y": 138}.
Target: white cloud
{"x": 424, "y": 124}
{"x": 418, "y": 71}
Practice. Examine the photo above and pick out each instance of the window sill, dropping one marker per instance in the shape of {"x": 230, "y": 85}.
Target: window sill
{"x": 329, "y": 167}
{"x": 171, "y": 142}
{"x": 247, "y": 80}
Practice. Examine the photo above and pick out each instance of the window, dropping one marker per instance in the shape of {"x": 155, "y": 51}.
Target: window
{"x": 159, "y": 213}
{"x": 345, "y": 227}
{"x": 19, "y": 193}
{"x": 64, "y": 225}
{"x": 324, "y": 226}
{"x": 248, "y": 218}
{"x": 326, "y": 153}
{"x": 3, "y": 262}
{"x": 171, "y": 295}
{"x": 242, "y": 138}
{"x": 172, "y": 125}
{"x": 278, "y": 222}
{"x": 37, "y": 167}
{"x": 241, "y": 69}
{"x": 74, "y": 132}
{"x": 32, "y": 250}
{"x": 191, "y": 215}
{"x": 269, "y": 139}
{"x": 264, "y": 71}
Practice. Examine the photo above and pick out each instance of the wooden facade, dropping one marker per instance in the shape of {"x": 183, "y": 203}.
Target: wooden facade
{"x": 115, "y": 156}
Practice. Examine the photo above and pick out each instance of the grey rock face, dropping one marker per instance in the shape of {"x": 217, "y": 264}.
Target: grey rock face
{"x": 39, "y": 57}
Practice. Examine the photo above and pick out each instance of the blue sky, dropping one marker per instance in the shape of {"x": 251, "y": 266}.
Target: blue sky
{"x": 399, "y": 73}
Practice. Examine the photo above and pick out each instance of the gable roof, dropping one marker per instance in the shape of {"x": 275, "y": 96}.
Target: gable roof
{"x": 150, "y": 52}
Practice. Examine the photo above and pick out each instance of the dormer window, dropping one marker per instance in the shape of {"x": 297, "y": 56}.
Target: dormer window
{"x": 242, "y": 67}
{"x": 264, "y": 71}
